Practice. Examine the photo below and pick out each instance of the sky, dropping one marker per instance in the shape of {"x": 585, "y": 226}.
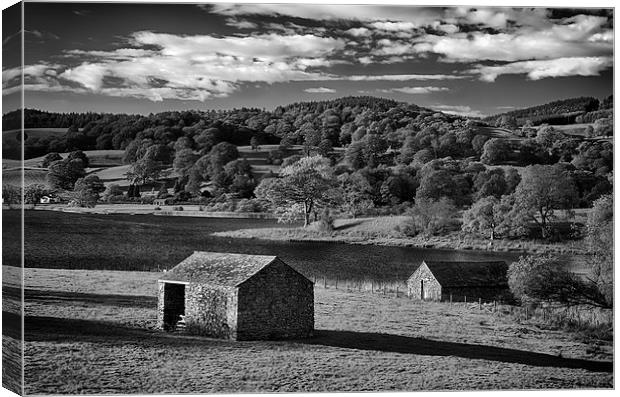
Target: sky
{"x": 144, "y": 58}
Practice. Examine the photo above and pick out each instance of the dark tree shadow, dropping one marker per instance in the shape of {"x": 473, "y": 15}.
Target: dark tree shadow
{"x": 420, "y": 346}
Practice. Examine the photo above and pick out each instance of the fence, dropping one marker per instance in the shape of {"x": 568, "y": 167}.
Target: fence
{"x": 578, "y": 316}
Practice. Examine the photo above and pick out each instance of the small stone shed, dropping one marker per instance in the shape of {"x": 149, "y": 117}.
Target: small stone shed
{"x": 440, "y": 281}
{"x": 235, "y": 296}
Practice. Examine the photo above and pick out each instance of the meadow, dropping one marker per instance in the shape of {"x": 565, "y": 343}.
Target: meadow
{"x": 98, "y": 326}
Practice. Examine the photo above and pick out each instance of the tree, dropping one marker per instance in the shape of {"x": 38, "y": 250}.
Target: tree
{"x": 112, "y": 190}
{"x": 86, "y": 192}
{"x": 306, "y": 183}
{"x": 543, "y": 190}
{"x": 485, "y": 216}
{"x": 50, "y": 158}
{"x": 34, "y": 193}
{"x": 490, "y": 183}
{"x": 430, "y": 217}
{"x": 254, "y": 142}
{"x": 63, "y": 174}
{"x": 78, "y": 154}
{"x": 11, "y": 194}
{"x": 539, "y": 278}
{"x": 600, "y": 239}
{"x": 325, "y": 147}
{"x": 184, "y": 160}
{"x": 150, "y": 166}
{"x": 495, "y": 151}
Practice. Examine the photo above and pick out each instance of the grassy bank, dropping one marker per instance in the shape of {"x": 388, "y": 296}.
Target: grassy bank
{"x": 93, "y": 332}
{"x": 386, "y": 231}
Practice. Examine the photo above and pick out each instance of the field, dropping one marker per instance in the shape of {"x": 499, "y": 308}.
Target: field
{"x": 31, "y": 176}
{"x": 93, "y": 332}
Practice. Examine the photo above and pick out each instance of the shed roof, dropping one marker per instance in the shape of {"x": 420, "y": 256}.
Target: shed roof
{"x": 216, "y": 268}
{"x": 469, "y": 274}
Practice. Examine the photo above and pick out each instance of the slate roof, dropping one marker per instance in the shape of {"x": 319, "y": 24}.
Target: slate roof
{"x": 469, "y": 274}
{"x": 216, "y": 268}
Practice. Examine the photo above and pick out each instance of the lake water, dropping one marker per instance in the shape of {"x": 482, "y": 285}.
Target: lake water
{"x": 147, "y": 242}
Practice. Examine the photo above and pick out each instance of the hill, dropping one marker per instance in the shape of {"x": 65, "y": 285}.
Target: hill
{"x": 563, "y": 111}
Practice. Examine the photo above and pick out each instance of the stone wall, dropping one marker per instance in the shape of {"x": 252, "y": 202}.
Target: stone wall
{"x": 276, "y": 303}
{"x": 211, "y": 311}
{"x": 432, "y": 288}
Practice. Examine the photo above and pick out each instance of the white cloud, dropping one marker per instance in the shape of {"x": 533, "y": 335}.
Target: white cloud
{"x": 320, "y": 90}
{"x": 358, "y": 32}
{"x": 241, "y": 24}
{"x": 540, "y": 69}
{"x": 459, "y": 110}
{"x": 394, "y": 26}
{"x": 200, "y": 67}
{"x": 415, "y": 90}
{"x": 400, "y": 77}
{"x": 419, "y": 16}
{"x": 578, "y": 36}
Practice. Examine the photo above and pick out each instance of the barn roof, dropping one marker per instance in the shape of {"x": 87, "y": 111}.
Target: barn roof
{"x": 216, "y": 268}
{"x": 469, "y": 274}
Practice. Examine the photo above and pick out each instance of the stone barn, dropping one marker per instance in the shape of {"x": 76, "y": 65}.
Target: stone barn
{"x": 235, "y": 296}
{"x": 440, "y": 281}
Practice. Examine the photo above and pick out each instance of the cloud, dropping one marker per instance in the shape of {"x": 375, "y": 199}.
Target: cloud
{"x": 578, "y": 36}
{"x": 459, "y": 110}
{"x": 540, "y": 69}
{"x": 197, "y": 67}
{"x": 320, "y": 90}
{"x": 417, "y": 15}
{"x": 358, "y": 32}
{"x": 400, "y": 77}
{"x": 415, "y": 90}
{"x": 241, "y": 24}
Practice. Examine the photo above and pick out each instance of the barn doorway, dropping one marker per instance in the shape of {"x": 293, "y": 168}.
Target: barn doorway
{"x": 422, "y": 290}
{"x": 174, "y": 305}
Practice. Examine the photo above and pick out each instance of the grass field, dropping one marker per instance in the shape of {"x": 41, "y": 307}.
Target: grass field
{"x": 31, "y": 176}
{"x": 93, "y": 332}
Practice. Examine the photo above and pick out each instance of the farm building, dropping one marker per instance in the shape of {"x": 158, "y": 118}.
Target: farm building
{"x": 235, "y": 296}
{"x": 458, "y": 281}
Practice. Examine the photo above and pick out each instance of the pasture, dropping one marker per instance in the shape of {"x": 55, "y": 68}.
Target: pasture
{"x": 93, "y": 332}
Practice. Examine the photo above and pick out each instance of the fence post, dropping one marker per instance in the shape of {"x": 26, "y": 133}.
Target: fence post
{"x": 450, "y": 299}
{"x": 465, "y": 299}
{"x": 336, "y": 282}
{"x": 324, "y": 282}
{"x": 372, "y": 286}
{"x": 397, "y": 291}
{"x": 494, "y": 306}
{"x": 479, "y": 303}
{"x": 384, "y": 287}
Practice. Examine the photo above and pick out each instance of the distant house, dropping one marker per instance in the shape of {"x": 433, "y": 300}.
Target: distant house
{"x": 235, "y": 296}
{"x": 439, "y": 281}
{"x": 49, "y": 200}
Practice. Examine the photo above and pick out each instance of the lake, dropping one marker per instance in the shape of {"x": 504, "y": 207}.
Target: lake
{"x": 147, "y": 242}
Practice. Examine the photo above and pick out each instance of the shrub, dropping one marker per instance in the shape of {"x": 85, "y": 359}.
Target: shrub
{"x": 326, "y": 221}
{"x": 177, "y": 208}
{"x": 430, "y": 217}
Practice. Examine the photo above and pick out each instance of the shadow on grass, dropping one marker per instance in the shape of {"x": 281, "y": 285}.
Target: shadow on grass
{"x": 92, "y": 331}
{"x": 54, "y": 297}
{"x": 348, "y": 225}
{"x": 408, "y": 345}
